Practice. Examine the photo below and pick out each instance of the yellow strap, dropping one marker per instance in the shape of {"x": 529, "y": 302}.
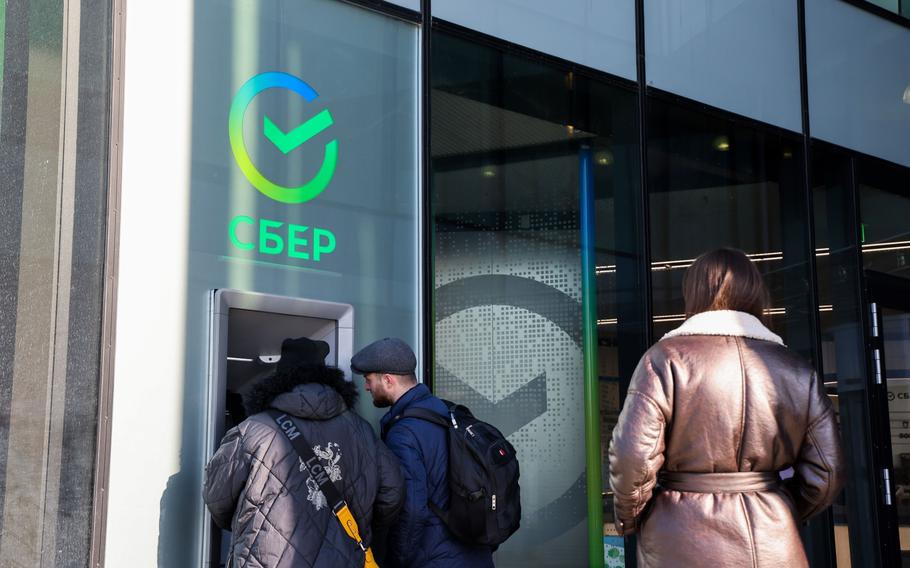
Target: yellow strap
{"x": 346, "y": 518}
{"x": 370, "y": 562}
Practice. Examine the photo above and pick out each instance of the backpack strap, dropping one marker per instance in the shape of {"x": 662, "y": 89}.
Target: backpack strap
{"x": 434, "y": 418}
{"x": 421, "y": 414}
{"x": 308, "y": 459}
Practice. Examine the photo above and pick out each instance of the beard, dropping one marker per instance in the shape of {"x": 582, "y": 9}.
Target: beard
{"x": 381, "y": 400}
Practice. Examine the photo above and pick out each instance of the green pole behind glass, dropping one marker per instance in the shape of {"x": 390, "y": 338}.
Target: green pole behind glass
{"x": 591, "y": 377}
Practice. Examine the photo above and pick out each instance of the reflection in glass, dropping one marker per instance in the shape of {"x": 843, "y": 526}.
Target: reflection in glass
{"x": 843, "y": 351}
{"x": 511, "y": 141}
{"x": 884, "y": 191}
{"x": 890, "y": 5}
{"x": 715, "y": 183}
{"x": 896, "y": 332}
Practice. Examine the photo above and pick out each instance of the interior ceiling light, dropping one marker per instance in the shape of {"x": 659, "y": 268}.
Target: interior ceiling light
{"x": 488, "y": 171}
{"x": 722, "y": 143}
{"x": 603, "y": 158}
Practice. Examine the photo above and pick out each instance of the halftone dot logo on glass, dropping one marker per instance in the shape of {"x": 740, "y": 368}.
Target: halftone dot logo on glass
{"x": 284, "y": 141}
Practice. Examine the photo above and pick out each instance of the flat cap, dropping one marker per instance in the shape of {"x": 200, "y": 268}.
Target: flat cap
{"x": 389, "y": 355}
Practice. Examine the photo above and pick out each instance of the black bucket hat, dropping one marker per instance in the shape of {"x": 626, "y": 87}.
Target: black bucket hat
{"x": 302, "y": 352}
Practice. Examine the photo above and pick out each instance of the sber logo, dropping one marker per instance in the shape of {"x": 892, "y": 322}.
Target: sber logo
{"x": 284, "y": 141}
{"x": 269, "y": 237}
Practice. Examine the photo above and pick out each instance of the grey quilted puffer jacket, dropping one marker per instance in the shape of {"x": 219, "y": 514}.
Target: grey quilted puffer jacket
{"x": 254, "y": 485}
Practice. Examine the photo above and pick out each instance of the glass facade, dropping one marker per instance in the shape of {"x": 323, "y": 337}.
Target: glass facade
{"x": 843, "y": 350}
{"x": 735, "y": 55}
{"x": 717, "y": 182}
{"x": 516, "y": 189}
{"x": 884, "y": 193}
{"x": 516, "y": 146}
{"x": 858, "y": 85}
{"x": 713, "y": 179}
{"x": 884, "y": 203}
{"x": 899, "y": 7}
{"x": 599, "y": 34}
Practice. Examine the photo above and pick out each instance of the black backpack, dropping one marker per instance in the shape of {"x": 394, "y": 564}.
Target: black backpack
{"x": 484, "y": 497}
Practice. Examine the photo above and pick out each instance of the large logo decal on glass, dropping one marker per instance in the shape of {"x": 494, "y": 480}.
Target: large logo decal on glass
{"x": 530, "y": 401}
{"x": 283, "y": 141}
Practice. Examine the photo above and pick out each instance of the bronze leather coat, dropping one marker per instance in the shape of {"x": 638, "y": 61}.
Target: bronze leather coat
{"x": 723, "y": 404}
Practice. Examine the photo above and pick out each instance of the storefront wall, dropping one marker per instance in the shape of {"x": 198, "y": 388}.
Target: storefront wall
{"x": 545, "y": 217}
{"x": 217, "y": 193}
{"x": 521, "y": 150}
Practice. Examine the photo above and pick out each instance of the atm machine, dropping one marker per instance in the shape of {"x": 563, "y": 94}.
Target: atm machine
{"x": 246, "y": 331}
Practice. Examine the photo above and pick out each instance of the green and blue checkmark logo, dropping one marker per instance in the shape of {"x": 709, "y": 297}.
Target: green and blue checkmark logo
{"x": 284, "y": 141}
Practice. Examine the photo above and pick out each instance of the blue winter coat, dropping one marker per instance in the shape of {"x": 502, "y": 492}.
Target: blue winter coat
{"x": 419, "y": 538}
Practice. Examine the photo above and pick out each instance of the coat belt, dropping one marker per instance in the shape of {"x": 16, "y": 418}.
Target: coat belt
{"x": 734, "y": 482}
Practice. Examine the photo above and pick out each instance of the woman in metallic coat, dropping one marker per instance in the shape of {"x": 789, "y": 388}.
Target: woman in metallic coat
{"x": 716, "y": 410}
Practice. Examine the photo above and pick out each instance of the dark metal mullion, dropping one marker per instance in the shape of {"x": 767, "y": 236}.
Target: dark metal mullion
{"x": 820, "y": 530}
{"x": 644, "y": 204}
{"x": 807, "y": 182}
{"x": 426, "y": 253}
{"x": 644, "y": 227}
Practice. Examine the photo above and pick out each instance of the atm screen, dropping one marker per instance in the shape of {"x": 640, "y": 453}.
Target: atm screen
{"x": 254, "y": 348}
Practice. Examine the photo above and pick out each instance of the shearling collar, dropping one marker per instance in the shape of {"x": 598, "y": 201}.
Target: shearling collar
{"x": 725, "y": 322}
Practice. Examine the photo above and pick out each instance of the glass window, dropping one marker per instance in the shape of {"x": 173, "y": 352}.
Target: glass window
{"x": 859, "y": 88}
{"x": 721, "y": 182}
{"x": 843, "y": 350}
{"x": 884, "y": 191}
{"x": 890, "y": 5}
{"x": 738, "y": 55}
{"x": 900, "y": 7}
{"x": 412, "y": 4}
{"x": 598, "y": 34}
{"x": 715, "y": 182}
{"x": 516, "y": 145}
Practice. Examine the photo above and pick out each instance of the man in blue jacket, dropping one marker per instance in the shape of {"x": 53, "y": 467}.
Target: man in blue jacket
{"x": 418, "y": 538}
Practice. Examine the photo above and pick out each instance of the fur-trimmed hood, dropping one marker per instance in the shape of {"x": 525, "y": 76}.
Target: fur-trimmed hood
{"x": 313, "y": 393}
{"x": 725, "y": 322}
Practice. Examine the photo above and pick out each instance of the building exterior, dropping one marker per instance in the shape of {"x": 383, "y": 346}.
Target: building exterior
{"x": 516, "y": 188}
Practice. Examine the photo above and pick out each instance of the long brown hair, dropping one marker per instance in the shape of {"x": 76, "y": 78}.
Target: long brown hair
{"x": 724, "y": 279}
